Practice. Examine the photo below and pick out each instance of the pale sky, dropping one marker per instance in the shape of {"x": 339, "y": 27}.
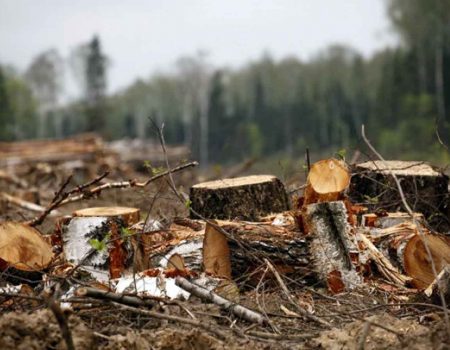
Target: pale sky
{"x": 142, "y": 37}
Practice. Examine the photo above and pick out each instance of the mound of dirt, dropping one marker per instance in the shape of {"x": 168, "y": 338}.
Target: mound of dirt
{"x": 39, "y": 330}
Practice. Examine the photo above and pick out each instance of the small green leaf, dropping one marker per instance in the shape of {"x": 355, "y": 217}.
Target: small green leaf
{"x": 188, "y": 203}
{"x": 126, "y": 232}
{"x": 97, "y": 245}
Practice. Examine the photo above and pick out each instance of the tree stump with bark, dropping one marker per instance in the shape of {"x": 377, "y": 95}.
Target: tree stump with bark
{"x": 97, "y": 239}
{"x": 425, "y": 189}
{"x": 326, "y": 182}
{"x": 247, "y": 198}
{"x": 332, "y": 245}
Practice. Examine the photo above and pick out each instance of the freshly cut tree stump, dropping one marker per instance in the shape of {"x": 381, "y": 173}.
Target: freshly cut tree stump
{"x": 326, "y": 181}
{"x": 248, "y": 198}
{"x": 425, "y": 189}
{"x": 23, "y": 251}
{"x": 332, "y": 244}
{"x": 95, "y": 239}
{"x": 130, "y": 216}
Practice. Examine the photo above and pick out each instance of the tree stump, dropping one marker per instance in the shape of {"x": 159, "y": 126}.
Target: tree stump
{"x": 130, "y": 216}
{"x": 425, "y": 189}
{"x": 326, "y": 181}
{"x": 247, "y": 198}
{"x": 96, "y": 239}
{"x": 332, "y": 245}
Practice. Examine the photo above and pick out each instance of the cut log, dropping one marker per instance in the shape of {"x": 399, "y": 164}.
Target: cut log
{"x": 425, "y": 189}
{"x": 21, "y": 203}
{"x": 404, "y": 246}
{"x": 285, "y": 248}
{"x": 418, "y": 263}
{"x": 95, "y": 238}
{"x": 248, "y": 198}
{"x": 216, "y": 253}
{"x": 23, "y": 251}
{"x": 326, "y": 181}
{"x": 332, "y": 244}
{"x": 25, "y": 152}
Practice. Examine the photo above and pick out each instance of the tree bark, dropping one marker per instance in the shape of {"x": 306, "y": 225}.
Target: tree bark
{"x": 247, "y": 198}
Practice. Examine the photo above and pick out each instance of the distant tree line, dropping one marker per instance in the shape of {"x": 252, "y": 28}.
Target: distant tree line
{"x": 401, "y": 94}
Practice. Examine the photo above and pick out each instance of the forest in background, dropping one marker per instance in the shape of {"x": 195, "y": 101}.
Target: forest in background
{"x": 267, "y": 107}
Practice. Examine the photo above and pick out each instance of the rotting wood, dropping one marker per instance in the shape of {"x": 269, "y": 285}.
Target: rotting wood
{"x": 248, "y": 198}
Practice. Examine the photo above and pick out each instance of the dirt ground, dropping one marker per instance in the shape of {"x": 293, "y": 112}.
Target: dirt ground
{"x": 39, "y": 330}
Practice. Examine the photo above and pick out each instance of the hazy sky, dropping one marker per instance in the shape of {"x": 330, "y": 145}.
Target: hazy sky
{"x": 144, "y": 36}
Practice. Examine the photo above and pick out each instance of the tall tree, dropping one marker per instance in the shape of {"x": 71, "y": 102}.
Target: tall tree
{"x": 5, "y": 108}
{"x": 90, "y": 67}
{"x": 45, "y": 77}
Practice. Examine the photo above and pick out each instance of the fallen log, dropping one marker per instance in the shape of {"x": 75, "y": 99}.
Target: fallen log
{"x": 236, "y": 309}
{"x": 248, "y": 198}
{"x": 425, "y": 189}
{"x": 21, "y": 203}
{"x": 24, "y": 254}
{"x": 285, "y": 248}
{"x": 116, "y": 297}
{"x": 86, "y": 146}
